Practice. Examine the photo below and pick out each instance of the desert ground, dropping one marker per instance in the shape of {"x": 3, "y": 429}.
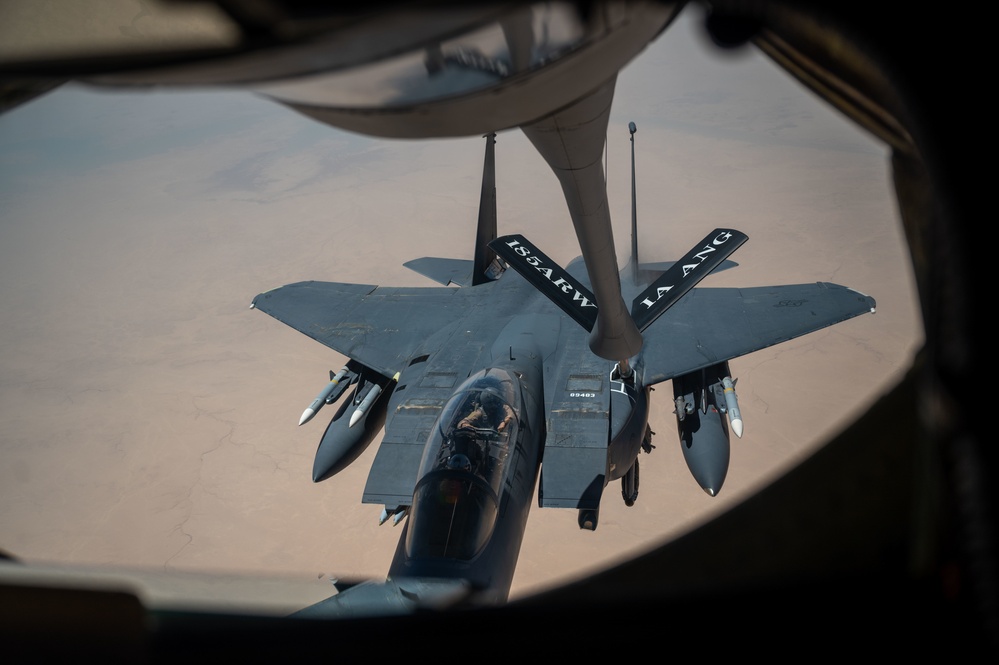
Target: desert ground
{"x": 148, "y": 417}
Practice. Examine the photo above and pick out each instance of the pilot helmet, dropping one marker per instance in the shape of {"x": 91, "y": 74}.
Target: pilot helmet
{"x": 459, "y": 462}
{"x": 490, "y": 400}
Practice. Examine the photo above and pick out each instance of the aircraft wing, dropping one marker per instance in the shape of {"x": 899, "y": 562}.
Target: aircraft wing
{"x": 711, "y": 325}
{"x": 379, "y": 327}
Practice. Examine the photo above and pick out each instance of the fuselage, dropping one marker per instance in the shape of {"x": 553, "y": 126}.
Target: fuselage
{"x": 475, "y": 486}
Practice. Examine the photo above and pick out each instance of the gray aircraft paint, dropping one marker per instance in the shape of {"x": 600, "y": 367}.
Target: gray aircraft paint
{"x": 580, "y": 425}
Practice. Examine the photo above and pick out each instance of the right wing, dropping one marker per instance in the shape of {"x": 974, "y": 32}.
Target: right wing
{"x": 711, "y": 325}
{"x": 379, "y": 327}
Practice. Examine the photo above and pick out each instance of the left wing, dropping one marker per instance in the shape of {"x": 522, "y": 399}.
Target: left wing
{"x": 379, "y": 327}
{"x": 710, "y": 325}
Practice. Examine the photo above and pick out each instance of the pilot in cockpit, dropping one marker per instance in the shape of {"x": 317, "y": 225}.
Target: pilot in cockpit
{"x": 459, "y": 462}
{"x": 491, "y": 412}
{"x": 465, "y": 453}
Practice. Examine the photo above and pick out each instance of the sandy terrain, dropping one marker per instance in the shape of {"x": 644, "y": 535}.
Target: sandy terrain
{"x": 148, "y": 418}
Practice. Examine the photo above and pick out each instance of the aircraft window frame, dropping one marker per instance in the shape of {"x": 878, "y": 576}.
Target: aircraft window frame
{"x": 472, "y": 461}
{"x": 487, "y": 447}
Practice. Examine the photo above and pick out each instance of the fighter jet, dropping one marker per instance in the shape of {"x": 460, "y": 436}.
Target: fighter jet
{"x": 484, "y": 382}
{"x": 904, "y": 497}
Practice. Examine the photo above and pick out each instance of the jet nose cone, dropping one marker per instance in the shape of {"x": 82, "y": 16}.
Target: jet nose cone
{"x": 710, "y": 490}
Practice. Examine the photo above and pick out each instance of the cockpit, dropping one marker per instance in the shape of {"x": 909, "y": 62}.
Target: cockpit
{"x": 464, "y": 465}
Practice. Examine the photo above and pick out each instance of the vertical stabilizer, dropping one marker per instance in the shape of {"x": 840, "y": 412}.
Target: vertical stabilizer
{"x": 485, "y": 258}
{"x": 632, "y": 128}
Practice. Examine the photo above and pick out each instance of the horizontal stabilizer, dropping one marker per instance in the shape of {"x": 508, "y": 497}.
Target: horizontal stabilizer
{"x": 684, "y": 274}
{"x": 549, "y": 278}
{"x": 443, "y": 271}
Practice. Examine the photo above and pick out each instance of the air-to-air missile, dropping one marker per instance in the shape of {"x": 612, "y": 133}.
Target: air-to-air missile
{"x": 366, "y": 403}
{"x": 732, "y": 406}
{"x": 334, "y": 389}
{"x": 397, "y": 513}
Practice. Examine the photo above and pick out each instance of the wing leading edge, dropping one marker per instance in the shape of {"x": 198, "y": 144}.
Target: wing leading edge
{"x": 711, "y": 325}
{"x": 379, "y": 327}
